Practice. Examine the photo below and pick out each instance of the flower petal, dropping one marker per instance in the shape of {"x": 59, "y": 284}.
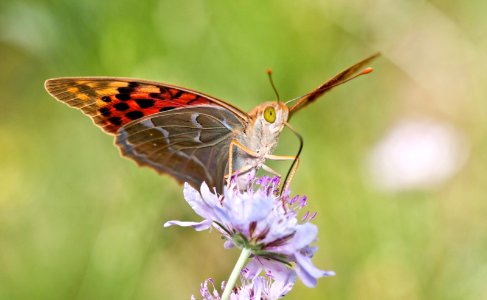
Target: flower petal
{"x": 305, "y": 234}
{"x": 309, "y": 272}
{"x": 274, "y": 269}
{"x": 198, "y": 226}
{"x": 228, "y": 244}
{"x": 208, "y": 197}
{"x": 279, "y": 288}
{"x": 258, "y": 287}
{"x": 252, "y": 269}
{"x": 194, "y": 199}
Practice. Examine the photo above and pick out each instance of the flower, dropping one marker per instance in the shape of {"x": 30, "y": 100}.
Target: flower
{"x": 262, "y": 220}
{"x": 258, "y": 288}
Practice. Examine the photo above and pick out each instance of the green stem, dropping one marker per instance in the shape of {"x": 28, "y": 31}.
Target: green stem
{"x": 236, "y": 271}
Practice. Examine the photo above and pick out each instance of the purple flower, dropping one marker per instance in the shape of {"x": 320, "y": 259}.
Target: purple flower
{"x": 260, "y": 219}
{"x": 258, "y": 288}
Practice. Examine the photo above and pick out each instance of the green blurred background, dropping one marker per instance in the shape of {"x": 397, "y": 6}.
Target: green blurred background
{"x": 77, "y": 221}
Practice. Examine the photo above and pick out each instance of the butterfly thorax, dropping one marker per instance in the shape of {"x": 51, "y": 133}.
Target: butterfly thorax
{"x": 262, "y": 133}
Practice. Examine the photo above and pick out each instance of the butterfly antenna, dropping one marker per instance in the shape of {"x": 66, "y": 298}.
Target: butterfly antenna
{"x": 364, "y": 72}
{"x": 269, "y": 74}
{"x": 301, "y": 144}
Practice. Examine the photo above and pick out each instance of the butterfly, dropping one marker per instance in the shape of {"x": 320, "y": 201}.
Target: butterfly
{"x": 189, "y": 135}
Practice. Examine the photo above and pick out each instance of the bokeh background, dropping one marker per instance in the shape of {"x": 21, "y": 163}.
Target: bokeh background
{"x": 394, "y": 162}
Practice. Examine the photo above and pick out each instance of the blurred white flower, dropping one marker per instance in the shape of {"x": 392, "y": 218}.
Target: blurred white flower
{"x": 417, "y": 154}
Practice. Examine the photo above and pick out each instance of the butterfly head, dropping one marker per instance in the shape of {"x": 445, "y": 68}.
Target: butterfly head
{"x": 271, "y": 115}
{"x": 269, "y": 118}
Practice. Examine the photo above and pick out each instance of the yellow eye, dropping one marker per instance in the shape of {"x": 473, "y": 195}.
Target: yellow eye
{"x": 270, "y": 114}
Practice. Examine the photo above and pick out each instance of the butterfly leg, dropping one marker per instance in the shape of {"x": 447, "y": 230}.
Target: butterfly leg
{"x": 293, "y": 170}
{"x": 241, "y": 171}
{"x": 235, "y": 143}
{"x": 270, "y": 170}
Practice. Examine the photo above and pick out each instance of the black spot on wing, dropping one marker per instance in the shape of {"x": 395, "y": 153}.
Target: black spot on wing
{"x": 115, "y": 121}
{"x": 106, "y": 99}
{"x": 156, "y": 95}
{"x": 121, "y": 106}
{"x": 144, "y": 103}
{"x": 132, "y": 115}
{"x": 104, "y": 111}
{"x": 123, "y": 97}
{"x": 125, "y": 90}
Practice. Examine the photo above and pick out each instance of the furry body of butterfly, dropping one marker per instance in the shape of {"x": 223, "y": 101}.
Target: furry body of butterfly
{"x": 259, "y": 138}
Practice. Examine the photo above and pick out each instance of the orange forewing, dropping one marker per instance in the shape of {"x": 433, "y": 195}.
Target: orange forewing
{"x": 115, "y": 102}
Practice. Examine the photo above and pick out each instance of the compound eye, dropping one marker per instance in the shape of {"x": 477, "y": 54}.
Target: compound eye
{"x": 270, "y": 114}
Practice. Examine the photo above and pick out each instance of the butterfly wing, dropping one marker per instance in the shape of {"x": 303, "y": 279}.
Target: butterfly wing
{"x": 336, "y": 80}
{"x": 113, "y": 102}
{"x": 189, "y": 143}
{"x": 183, "y": 124}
